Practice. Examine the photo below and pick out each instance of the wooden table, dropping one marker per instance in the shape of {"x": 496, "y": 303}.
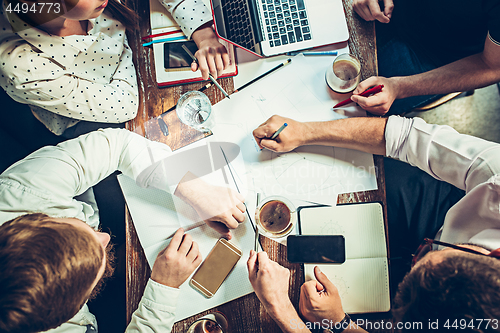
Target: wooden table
{"x": 245, "y": 314}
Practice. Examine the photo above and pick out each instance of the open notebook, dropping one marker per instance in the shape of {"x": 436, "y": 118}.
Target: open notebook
{"x": 363, "y": 279}
{"x": 162, "y": 21}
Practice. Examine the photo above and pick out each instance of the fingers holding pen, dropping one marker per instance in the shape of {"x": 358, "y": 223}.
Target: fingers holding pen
{"x": 274, "y": 135}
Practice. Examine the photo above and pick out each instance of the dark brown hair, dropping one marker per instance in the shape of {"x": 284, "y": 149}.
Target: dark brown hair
{"x": 122, "y": 13}
{"x": 47, "y": 272}
{"x": 461, "y": 286}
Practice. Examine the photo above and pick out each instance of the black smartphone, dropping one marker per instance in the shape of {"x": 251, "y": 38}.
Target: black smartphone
{"x": 174, "y": 56}
{"x": 316, "y": 249}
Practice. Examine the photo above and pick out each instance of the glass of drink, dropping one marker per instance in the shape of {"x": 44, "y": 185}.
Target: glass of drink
{"x": 275, "y": 216}
{"x": 195, "y": 110}
{"x": 344, "y": 74}
{"x": 211, "y": 323}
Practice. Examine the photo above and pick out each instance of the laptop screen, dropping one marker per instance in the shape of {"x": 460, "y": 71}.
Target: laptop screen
{"x": 238, "y": 22}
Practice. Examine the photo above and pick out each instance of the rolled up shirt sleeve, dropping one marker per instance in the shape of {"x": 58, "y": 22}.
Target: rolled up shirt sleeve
{"x": 189, "y": 14}
{"x": 462, "y": 160}
{"x": 156, "y": 311}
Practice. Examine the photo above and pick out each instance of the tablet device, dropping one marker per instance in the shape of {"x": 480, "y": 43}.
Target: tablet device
{"x": 175, "y": 58}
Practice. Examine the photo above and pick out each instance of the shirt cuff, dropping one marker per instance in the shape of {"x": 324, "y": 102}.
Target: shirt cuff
{"x": 396, "y": 135}
{"x": 160, "y": 297}
{"x": 191, "y": 17}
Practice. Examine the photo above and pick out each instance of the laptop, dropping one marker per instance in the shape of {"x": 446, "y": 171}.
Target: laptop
{"x": 270, "y": 27}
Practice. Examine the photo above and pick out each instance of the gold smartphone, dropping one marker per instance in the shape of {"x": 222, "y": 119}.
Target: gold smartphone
{"x": 216, "y": 267}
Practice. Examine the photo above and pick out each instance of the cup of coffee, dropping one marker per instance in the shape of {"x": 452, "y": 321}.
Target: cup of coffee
{"x": 211, "y": 323}
{"x": 275, "y": 216}
{"x": 344, "y": 74}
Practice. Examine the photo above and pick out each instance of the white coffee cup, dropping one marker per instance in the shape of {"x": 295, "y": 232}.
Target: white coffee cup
{"x": 344, "y": 74}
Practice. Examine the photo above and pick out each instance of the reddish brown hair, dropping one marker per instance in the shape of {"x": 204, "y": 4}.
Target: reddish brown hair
{"x": 462, "y": 286}
{"x": 48, "y": 269}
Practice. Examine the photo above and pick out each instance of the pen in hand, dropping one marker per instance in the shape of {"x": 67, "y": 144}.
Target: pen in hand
{"x": 256, "y": 240}
{"x": 371, "y": 91}
{"x": 275, "y": 135}
{"x": 209, "y": 75}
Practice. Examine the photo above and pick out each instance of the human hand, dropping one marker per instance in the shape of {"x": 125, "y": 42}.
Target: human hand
{"x": 212, "y": 56}
{"x": 381, "y": 102}
{"x": 370, "y": 10}
{"x": 220, "y": 207}
{"x": 320, "y": 299}
{"x": 270, "y": 282}
{"x": 290, "y": 138}
{"x": 177, "y": 261}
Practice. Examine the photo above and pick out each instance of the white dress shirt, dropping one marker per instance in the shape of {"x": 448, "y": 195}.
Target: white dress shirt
{"x": 467, "y": 162}
{"x": 48, "y": 180}
{"x": 73, "y": 78}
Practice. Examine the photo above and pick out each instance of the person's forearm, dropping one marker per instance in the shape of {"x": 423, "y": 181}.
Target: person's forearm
{"x": 462, "y": 75}
{"x": 363, "y": 133}
{"x": 288, "y": 320}
{"x": 190, "y": 189}
{"x": 203, "y": 32}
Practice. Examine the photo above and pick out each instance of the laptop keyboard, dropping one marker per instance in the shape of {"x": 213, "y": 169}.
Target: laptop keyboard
{"x": 238, "y": 22}
{"x": 286, "y": 22}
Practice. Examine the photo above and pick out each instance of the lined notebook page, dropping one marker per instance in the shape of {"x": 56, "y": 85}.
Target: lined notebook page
{"x": 363, "y": 284}
{"x": 362, "y": 226}
{"x": 363, "y": 279}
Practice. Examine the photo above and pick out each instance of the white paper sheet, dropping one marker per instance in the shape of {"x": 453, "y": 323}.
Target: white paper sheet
{"x": 313, "y": 173}
{"x": 156, "y": 218}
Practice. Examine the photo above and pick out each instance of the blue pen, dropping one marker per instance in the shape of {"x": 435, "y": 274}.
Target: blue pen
{"x": 165, "y": 40}
{"x": 275, "y": 135}
{"x": 313, "y": 53}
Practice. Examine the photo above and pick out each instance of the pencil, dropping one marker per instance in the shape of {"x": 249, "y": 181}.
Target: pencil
{"x": 205, "y": 87}
{"x": 256, "y": 241}
{"x": 284, "y": 63}
{"x": 218, "y": 86}
{"x": 209, "y": 75}
{"x": 311, "y": 53}
{"x": 275, "y": 135}
{"x": 371, "y": 91}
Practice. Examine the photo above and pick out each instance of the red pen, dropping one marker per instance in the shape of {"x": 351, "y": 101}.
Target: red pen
{"x": 162, "y": 34}
{"x": 365, "y": 93}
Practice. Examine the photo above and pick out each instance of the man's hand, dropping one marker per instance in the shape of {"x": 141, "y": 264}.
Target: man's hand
{"x": 177, "y": 261}
{"x": 212, "y": 56}
{"x": 370, "y": 10}
{"x": 270, "y": 282}
{"x": 290, "y": 138}
{"x": 380, "y": 103}
{"x": 220, "y": 207}
{"x": 320, "y": 299}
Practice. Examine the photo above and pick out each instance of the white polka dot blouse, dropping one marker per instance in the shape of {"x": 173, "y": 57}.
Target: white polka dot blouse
{"x": 74, "y": 78}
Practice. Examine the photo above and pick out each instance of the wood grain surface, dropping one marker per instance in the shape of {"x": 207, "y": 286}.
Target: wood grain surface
{"x": 244, "y": 314}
